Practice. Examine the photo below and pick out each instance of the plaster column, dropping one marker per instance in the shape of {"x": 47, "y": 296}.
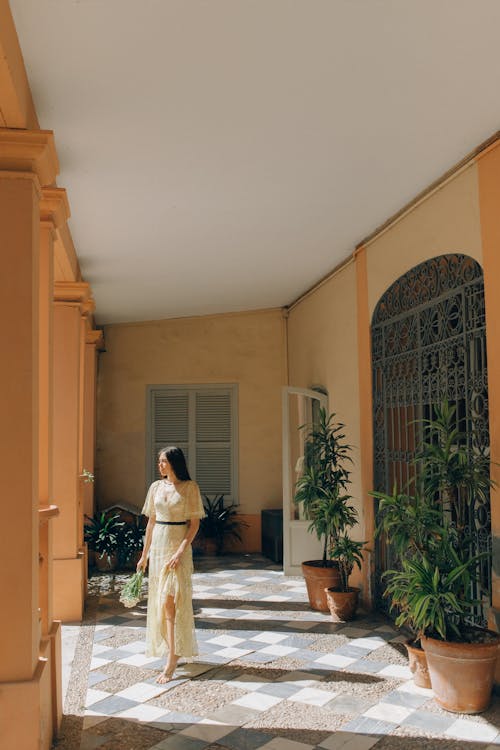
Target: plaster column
{"x": 72, "y": 304}
{"x": 27, "y": 160}
{"x": 54, "y": 212}
{"x": 366, "y": 427}
{"x": 93, "y": 342}
{"x": 489, "y": 201}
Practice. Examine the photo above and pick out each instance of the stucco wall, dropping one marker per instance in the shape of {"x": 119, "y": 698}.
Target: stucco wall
{"x": 446, "y": 221}
{"x": 244, "y": 348}
{"x": 322, "y": 346}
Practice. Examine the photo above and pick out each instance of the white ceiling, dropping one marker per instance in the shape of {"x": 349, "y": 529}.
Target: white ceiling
{"x": 223, "y": 155}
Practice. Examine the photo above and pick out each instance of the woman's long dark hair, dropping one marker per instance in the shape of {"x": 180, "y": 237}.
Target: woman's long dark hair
{"x": 177, "y": 461}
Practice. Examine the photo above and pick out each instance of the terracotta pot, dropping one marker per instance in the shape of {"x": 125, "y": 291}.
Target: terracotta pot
{"x": 342, "y": 604}
{"x": 317, "y": 579}
{"x": 418, "y": 665}
{"x": 462, "y": 674}
{"x": 131, "y": 564}
{"x": 105, "y": 562}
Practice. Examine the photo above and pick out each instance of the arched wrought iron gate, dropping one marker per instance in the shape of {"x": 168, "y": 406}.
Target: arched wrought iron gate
{"x": 429, "y": 344}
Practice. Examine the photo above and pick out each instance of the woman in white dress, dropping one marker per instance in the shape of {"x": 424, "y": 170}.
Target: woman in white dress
{"x": 174, "y": 508}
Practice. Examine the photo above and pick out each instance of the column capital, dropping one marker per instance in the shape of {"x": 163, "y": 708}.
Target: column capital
{"x": 30, "y": 151}
{"x": 95, "y": 337}
{"x": 54, "y": 206}
{"x": 75, "y": 293}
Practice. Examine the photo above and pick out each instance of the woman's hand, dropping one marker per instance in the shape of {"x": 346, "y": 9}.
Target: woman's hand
{"x": 174, "y": 561}
{"x": 142, "y": 564}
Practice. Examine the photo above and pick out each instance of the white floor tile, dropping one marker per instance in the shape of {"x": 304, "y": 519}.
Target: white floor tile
{"x": 312, "y": 696}
{"x": 368, "y": 643}
{"x": 225, "y": 640}
{"x": 277, "y": 650}
{"x": 335, "y": 660}
{"x": 207, "y": 732}
{"x": 280, "y": 743}
{"x": 98, "y": 662}
{"x": 349, "y": 741}
{"x": 233, "y": 652}
{"x": 138, "y": 660}
{"x": 275, "y": 598}
{"x": 472, "y": 730}
{"x": 396, "y": 670}
{"x": 258, "y": 701}
{"x": 300, "y": 679}
{"x": 388, "y": 712}
{"x": 142, "y": 692}
{"x": 270, "y": 637}
{"x": 136, "y": 647}
{"x": 95, "y": 695}
{"x": 142, "y": 713}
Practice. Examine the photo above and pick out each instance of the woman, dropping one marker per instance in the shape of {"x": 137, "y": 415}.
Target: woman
{"x": 174, "y": 508}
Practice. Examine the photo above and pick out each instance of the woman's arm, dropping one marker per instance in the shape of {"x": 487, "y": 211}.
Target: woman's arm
{"x": 142, "y": 564}
{"x": 192, "y": 529}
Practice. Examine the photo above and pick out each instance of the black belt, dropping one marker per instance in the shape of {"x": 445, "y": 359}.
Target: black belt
{"x": 172, "y": 523}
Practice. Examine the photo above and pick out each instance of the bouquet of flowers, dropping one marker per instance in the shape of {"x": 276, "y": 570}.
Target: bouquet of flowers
{"x": 132, "y": 590}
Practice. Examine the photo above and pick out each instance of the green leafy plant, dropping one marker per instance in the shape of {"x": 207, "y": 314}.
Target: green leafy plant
{"x": 430, "y": 596}
{"x": 220, "y": 522}
{"x": 433, "y": 587}
{"x": 130, "y": 542}
{"x": 102, "y": 533}
{"x": 347, "y": 553}
{"x": 322, "y": 488}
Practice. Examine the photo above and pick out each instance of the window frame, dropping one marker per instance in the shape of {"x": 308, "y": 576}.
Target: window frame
{"x": 192, "y": 389}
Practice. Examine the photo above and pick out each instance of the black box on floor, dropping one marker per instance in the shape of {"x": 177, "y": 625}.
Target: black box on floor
{"x": 272, "y": 534}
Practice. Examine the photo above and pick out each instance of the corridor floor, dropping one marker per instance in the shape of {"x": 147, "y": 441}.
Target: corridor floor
{"x": 272, "y": 675}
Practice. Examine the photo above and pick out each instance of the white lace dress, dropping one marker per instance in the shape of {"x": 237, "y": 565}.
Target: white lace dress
{"x": 171, "y": 503}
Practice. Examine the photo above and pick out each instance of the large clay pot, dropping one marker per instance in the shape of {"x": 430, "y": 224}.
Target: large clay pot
{"x": 342, "y": 604}
{"x": 462, "y": 674}
{"x": 418, "y": 665}
{"x": 105, "y": 562}
{"x": 319, "y": 577}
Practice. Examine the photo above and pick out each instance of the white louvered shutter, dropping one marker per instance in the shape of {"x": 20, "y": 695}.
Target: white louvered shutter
{"x": 169, "y": 423}
{"x": 202, "y": 421}
{"x": 213, "y": 441}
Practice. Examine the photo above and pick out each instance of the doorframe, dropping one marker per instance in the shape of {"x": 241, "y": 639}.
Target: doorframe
{"x": 289, "y": 525}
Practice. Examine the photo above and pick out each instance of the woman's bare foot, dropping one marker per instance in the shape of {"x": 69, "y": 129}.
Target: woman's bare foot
{"x": 167, "y": 674}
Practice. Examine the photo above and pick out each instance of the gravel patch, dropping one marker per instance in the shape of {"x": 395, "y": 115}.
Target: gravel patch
{"x": 490, "y": 716}
{"x": 288, "y": 663}
{"x": 266, "y": 673}
{"x": 128, "y": 735}
{"x": 195, "y": 697}
{"x": 394, "y": 653}
{"x": 398, "y": 740}
{"x": 372, "y": 686}
{"x": 299, "y": 717}
{"x": 120, "y": 637}
{"x": 122, "y": 676}
{"x": 328, "y": 643}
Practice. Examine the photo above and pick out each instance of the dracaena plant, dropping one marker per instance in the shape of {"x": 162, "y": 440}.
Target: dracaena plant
{"x": 322, "y": 490}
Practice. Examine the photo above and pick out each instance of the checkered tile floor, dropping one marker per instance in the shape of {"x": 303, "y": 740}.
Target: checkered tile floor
{"x": 272, "y": 675}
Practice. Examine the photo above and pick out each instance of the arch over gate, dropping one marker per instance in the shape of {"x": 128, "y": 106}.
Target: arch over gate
{"x": 428, "y": 340}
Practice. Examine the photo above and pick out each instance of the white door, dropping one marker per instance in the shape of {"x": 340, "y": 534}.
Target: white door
{"x": 299, "y": 408}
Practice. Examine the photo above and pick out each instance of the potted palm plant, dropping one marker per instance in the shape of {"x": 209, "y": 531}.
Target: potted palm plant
{"x": 435, "y": 586}
{"x": 343, "y": 601}
{"x": 102, "y": 534}
{"x": 322, "y": 493}
{"x": 413, "y": 523}
{"x": 220, "y": 524}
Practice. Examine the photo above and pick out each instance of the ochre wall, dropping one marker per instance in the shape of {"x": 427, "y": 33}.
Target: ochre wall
{"x": 329, "y": 329}
{"x": 322, "y": 350}
{"x": 242, "y": 348}
{"x": 446, "y": 221}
